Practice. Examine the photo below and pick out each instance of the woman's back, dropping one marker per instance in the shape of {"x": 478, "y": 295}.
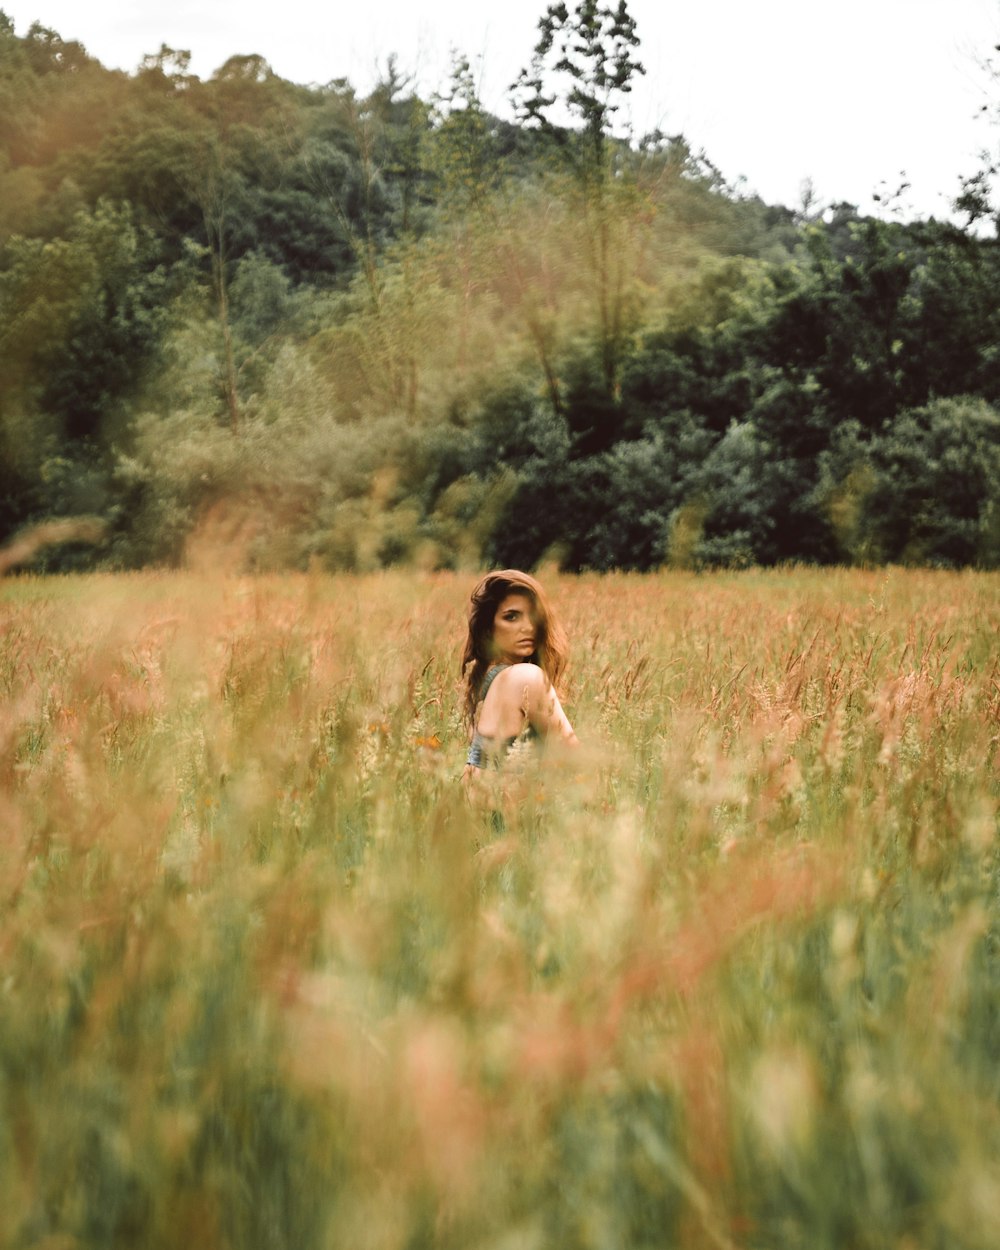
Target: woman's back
{"x": 501, "y": 722}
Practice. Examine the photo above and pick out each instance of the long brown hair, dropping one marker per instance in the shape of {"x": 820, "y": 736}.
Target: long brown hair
{"x": 489, "y": 593}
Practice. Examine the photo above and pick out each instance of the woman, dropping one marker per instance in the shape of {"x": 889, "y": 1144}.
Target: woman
{"x": 514, "y": 654}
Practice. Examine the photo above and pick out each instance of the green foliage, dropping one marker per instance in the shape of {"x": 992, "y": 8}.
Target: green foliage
{"x": 428, "y": 333}
{"x": 81, "y": 323}
{"x": 921, "y": 491}
{"x": 935, "y": 494}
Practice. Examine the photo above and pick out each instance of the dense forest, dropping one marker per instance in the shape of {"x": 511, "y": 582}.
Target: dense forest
{"x": 307, "y": 327}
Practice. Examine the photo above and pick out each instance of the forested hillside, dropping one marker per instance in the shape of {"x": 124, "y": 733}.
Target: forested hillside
{"x": 311, "y": 327}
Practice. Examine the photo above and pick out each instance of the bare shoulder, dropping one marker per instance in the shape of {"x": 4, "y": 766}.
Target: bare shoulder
{"x": 523, "y": 675}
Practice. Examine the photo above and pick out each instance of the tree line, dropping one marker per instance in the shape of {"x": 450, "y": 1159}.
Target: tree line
{"x": 351, "y": 330}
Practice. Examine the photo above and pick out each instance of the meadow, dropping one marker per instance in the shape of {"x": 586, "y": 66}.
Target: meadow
{"x": 727, "y": 977}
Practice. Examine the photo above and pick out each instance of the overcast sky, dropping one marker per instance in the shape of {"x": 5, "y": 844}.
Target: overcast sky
{"x": 848, "y": 94}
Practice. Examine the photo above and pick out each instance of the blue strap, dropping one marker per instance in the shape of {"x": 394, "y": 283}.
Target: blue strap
{"x": 488, "y": 680}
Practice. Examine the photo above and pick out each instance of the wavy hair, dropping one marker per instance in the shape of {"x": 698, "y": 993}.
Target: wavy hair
{"x": 550, "y": 639}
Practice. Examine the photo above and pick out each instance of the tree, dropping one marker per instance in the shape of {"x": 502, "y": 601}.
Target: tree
{"x": 978, "y": 196}
{"x": 82, "y": 320}
{"x": 380, "y": 198}
{"x": 463, "y": 148}
{"x": 587, "y": 53}
{"x": 583, "y": 64}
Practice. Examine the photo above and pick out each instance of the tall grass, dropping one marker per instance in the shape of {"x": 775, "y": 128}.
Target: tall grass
{"x": 727, "y": 977}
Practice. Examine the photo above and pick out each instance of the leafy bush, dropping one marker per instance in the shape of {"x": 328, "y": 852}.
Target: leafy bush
{"x": 936, "y": 494}
{"x": 925, "y": 490}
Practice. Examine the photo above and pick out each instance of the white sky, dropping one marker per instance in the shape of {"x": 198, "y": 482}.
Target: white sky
{"x": 849, "y": 92}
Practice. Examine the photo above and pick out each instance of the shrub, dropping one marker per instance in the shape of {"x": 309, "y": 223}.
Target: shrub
{"x": 936, "y": 492}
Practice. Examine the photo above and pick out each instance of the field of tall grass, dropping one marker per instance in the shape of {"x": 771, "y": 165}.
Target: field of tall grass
{"x": 728, "y": 976}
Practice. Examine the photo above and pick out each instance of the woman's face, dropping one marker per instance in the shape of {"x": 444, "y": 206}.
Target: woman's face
{"x": 514, "y": 629}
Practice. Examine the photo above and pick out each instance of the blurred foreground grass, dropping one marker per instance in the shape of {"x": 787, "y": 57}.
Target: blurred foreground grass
{"x": 729, "y": 978}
